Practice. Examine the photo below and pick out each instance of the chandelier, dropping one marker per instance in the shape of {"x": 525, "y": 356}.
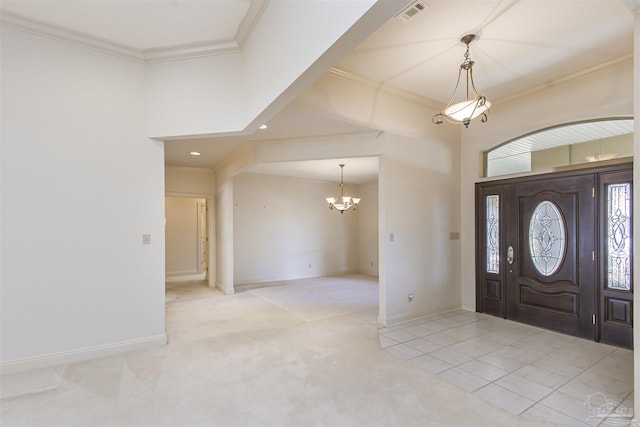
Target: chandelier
{"x": 464, "y": 111}
{"x": 343, "y": 203}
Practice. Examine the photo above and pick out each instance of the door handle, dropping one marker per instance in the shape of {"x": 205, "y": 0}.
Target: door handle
{"x": 510, "y": 255}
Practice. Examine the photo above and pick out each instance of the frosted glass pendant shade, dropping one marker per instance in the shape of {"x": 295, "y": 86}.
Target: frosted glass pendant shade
{"x": 466, "y": 110}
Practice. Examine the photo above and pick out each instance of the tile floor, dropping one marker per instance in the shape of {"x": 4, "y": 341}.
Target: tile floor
{"x": 525, "y": 370}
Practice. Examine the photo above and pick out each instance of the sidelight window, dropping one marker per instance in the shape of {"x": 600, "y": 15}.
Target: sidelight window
{"x": 619, "y": 236}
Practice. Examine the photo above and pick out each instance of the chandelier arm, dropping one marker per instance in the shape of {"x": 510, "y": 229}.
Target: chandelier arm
{"x": 473, "y": 86}
{"x": 468, "y": 73}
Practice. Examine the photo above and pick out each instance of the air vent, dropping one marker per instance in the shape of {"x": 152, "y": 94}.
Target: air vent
{"x": 412, "y": 10}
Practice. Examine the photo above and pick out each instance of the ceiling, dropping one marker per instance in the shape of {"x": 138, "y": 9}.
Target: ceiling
{"x": 521, "y": 45}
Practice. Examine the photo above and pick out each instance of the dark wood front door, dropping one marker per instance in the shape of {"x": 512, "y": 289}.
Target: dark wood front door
{"x": 550, "y": 269}
{"x": 554, "y": 251}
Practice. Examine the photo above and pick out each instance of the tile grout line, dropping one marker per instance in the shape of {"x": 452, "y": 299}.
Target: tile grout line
{"x": 493, "y": 382}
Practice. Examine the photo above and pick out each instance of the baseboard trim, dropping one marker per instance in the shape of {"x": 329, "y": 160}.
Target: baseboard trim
{"x": 80, "y": 355}
{"x": 224, "y": 290}
{"x": 409, "y": 317}
{"x": 170, "y": 278}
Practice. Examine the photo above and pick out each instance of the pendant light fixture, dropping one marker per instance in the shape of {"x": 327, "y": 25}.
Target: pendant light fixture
{"x": 343, "y": 203}
{"x": 472, "y": 107}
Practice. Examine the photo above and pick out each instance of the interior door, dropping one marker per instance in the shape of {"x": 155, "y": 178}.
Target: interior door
{"x": 549, "y": 250}
{"x": 202, "y": 237}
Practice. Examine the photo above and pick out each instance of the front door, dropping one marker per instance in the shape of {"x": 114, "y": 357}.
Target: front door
{"x": 550, "y": 265}
{"x": 554, "y": 251}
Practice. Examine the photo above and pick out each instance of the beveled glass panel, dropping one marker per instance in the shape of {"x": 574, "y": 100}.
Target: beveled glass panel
{"x": 547, "y": 240}
{"x": 619, "y": 236}
{"x": 493, "y": 233}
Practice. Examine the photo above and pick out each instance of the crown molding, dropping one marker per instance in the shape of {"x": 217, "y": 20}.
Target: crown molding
{"x": 585, "y": 72}
{"x": 250, "y": 21}
{"x": 163, "y": 54}
{"x": 347, "y": 76}
{"x": 21, "y": 23}
{"x": 374, "y": 133}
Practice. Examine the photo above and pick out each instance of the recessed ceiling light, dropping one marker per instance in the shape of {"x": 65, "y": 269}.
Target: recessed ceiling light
{"x": 195, "y": 153}
{"x": 263, "y": 126}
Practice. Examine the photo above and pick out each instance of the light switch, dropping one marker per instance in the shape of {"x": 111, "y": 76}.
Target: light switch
{"x": 146, "y": 239}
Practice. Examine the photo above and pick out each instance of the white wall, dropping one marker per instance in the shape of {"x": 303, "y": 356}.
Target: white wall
{"x": 182, "y": 236}
{"x": 284, "y": 230}
{"x": 224, "y": 237}
{"x": 418, "y": 184}
{"x": 603, "y": 93}
{"x": 368, "y": 229}
{"x": 277, "y": 65}
{"x": 420, "y": 208}
{"x": 81, "y": 183}
{"x": 227, "y": 93}
{"x": 194, "y": 181}
{"x": 195, "y": 96}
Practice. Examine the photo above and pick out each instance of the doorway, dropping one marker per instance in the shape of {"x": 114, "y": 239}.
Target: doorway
{"x": 186, "y": 238}
{"x": 554, "y": 251}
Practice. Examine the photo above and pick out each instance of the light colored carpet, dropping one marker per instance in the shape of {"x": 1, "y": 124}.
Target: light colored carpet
{"x": 265, "y": 357}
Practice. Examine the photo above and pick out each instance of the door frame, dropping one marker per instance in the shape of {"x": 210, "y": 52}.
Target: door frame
{"x": 484, "y": 188}
{"x": 210, "y": 277}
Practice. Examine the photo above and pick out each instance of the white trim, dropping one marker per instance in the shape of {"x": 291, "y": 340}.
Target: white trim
{"x": 224, "y": 290}
{"x": 147, "y": 56}
{"x": 381, "y": 86}
{"x": 170, "y": 278}
{"x": 403, "y": 318}
{"x": 81, "y": 354}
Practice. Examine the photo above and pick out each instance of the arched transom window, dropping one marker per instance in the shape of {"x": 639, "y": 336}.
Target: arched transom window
{"x": 565, "y": 145}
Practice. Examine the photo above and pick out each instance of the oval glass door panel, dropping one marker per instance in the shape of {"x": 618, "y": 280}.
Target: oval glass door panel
{"x": 547, "y": 238}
